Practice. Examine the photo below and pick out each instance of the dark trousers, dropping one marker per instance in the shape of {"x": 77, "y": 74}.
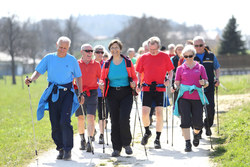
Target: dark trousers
{"x": 210, "y": 109}
{"x": 120, "y": 104}
{"x": 60, "y": 119}
{"x": 191, "y": 113}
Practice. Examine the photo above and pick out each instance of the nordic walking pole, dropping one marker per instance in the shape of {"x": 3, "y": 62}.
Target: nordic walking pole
{"x": 167, "y": 112}
{"x": 137, "y": 111}
{"x": 173, "y": 120}
{"x": 217, "y": 108}
{"x": 166, "y": 98}
{"x": 134, "y": 130}
{"x": 205, "y": 109}
{"x": 92, "y": 150}
{"x": 32, "y": 120}
{"x": 105, "y": 119}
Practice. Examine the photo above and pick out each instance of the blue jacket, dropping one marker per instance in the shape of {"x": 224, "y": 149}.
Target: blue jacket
{"x": 44, "y": 105}
{"x": 191, "y": 89}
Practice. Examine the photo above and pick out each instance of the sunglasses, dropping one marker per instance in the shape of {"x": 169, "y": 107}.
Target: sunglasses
{"x": 188, "y": 56}
{"x": 105, "y": 56}
{"x": 198, "y": 45}
{"x": 99, "y": 52}
{"x": 88, "y": 51}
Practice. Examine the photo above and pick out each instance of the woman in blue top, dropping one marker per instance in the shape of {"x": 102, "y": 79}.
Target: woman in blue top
{"x": 118, "y": 76}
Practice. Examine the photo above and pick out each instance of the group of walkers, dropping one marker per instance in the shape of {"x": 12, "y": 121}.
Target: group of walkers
{"x": 109, "y": 85}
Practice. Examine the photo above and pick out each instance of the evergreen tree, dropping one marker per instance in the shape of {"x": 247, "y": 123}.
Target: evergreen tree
{"x": 231, "y": 42}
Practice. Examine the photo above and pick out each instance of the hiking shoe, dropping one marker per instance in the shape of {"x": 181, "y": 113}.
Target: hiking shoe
{"x": 115, "y": 153}
{"x": 93, "y": 138}
{"x": 60, "y": 155}
{"x": 157, "y": 144}
{"x": 188, "y": 146}
{"x": 208, "y": 131}
{"x": 196, "y": 140}
{"x": 67, "y": 155}
{"x": 83, "y": 145}
{"x": 128, "y": 150}
{"x": 145, "y": 138}
{"x": 101, "y": 139}
{"x": 89, "y": 147}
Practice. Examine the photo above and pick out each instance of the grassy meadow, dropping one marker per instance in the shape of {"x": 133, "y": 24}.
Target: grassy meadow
{"x": 17, "y": 145}
{"x": 233, "y": 148}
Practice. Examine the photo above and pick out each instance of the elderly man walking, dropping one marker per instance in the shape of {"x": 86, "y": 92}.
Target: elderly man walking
{"x": 62, "y": 68}
{"x": 212, "y": 66}
{"x": 155, "y": 65}
{"x": 91, "y": 72}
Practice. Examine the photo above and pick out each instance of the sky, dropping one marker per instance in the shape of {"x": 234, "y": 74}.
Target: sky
{"x": 211, "y": 14}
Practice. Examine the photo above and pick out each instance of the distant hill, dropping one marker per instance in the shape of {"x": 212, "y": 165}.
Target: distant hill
{"x": 102, "y": 25}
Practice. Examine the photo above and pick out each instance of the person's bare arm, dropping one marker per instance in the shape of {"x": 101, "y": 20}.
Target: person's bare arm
{"x": 34, "y": 77}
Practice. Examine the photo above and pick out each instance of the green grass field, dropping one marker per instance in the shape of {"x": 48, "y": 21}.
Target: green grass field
{"x": 17, "y": 146}
{"x": 234, "y": 146}
{"x": 236, "y": 84}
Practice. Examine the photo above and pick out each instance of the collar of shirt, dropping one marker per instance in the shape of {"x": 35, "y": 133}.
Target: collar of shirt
{"x": 195, "y": 66}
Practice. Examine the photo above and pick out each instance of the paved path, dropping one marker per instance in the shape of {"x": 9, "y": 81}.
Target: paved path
{"x": 167, "y": 156}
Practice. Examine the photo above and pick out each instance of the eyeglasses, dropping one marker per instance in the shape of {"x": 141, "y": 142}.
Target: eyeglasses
{"x": 105, "y": 56}
{"x": 198, "y": 45}
{"x": 88, "y": 51}
{"x": 114, "y": 48}
{"x": 99, "y": 52}
{"x": 188, "y": 56}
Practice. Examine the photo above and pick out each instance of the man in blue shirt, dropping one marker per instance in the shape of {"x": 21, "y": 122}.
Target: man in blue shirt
{"x": 212, "y": 66}
{"x": 59, "y": 98}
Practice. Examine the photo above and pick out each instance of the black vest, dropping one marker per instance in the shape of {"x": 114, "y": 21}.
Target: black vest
{"x": 208, "y": 63}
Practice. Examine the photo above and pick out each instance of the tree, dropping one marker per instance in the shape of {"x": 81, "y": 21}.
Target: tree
{"x": 140, "y": 29}
{"x": 31, "y": 44}
{"x": 231, "y": 42}
{"x": 10, "y": 40}
{"x": 72, "y": 30}
{"x": 50, "y": 31}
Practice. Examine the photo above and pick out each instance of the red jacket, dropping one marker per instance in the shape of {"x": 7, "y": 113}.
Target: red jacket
{"x": 105, "y": 71}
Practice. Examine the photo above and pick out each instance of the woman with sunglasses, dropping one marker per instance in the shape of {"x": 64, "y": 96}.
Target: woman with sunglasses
{"x": 118, "y": 78}
{"x": 189, "y": 79}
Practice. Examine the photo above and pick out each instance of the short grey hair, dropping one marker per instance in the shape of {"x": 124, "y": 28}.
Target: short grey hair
{"x": 145, "y": 43}
{"x": 63, "y": 39}
{"x": 171, "y": 46}
{"x": 131, "y": 50}
{"x": 154, "y": 40}
{"x": 199, "y": 38}
{"x": 189, "y": 48}
{"x": 99, "y": 47}
{"x": 85, "y": 45}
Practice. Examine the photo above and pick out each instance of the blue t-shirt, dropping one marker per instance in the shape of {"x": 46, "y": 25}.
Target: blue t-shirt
{"x": 216, "y": 63}
{"x": 118, "y": 74}
{"x": 60, "y": 70}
